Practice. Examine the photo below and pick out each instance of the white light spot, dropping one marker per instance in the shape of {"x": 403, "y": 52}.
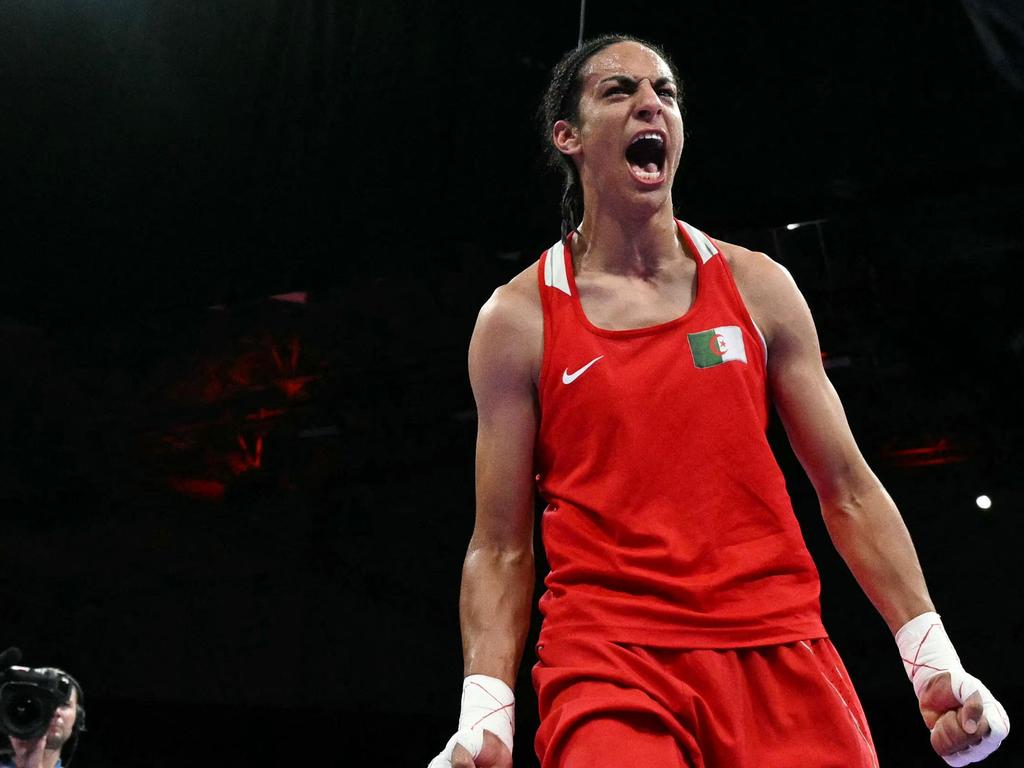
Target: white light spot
{"x": 983, "y": 502}
{"x": 792, "y": 226}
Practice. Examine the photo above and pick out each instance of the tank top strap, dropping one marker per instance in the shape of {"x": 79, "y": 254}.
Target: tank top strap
{"x": 700, "y": 244}
{"x": 555, "y": 286}
{"x": 716, "y": 275}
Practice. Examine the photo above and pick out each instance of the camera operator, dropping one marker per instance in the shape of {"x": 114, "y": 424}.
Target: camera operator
{"x": 55, "y": 748}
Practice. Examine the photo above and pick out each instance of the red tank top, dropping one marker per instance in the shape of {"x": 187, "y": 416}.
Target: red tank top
{"x": 667, "y": 521}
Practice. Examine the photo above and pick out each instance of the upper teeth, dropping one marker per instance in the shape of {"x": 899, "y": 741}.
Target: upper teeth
{"x": 649, "y": 135}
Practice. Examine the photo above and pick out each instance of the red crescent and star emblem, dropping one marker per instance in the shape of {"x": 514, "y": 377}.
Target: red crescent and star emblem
{"x": 718, "y": 345}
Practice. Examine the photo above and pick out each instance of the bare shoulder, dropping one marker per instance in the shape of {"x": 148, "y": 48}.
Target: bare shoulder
{"x": 509, "y": 335}
{"x": 513, "y": 312}
{"x": 766, "y": 286}
{"x": 517, "y": 301}
{"x": 753, "y": 270}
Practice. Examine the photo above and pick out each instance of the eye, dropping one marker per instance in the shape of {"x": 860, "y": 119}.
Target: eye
{"x": 667, "y": 93}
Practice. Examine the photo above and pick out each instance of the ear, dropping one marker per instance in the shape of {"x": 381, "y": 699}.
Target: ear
{"x": 566, "y": 137}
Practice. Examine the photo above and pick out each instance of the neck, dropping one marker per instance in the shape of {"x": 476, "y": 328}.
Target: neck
{"x": 50, "y": 758}
{"x": 640, "y": 246}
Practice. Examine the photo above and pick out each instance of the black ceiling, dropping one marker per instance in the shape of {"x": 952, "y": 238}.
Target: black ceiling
{"x": 178, "y": 152}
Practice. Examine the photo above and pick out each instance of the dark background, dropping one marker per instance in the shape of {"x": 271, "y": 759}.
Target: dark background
{"x": 239, "y": 520}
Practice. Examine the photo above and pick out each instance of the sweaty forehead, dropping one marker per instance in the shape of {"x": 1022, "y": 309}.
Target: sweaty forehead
{"x": 630, "y": 59}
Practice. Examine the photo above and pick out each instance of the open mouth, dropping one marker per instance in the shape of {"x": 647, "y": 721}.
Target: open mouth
{"x": 646, "y": 156}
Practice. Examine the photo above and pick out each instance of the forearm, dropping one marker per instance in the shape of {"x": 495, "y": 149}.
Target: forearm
{"x": 495, "y": 602}
{"x": 871, "y": 537}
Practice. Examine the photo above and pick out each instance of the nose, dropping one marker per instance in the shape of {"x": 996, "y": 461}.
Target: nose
{"x": 648, "y": 105}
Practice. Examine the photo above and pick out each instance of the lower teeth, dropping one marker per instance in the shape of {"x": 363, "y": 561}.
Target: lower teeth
{"x": 648, "y": 172}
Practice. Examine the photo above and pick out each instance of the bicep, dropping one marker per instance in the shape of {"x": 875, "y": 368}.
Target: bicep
{"x": 808, "y": 404}
{"x": 500, "y": 374}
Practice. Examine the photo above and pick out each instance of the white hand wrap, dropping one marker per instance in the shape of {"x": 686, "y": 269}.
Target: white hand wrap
{"x": 926, "y": 652}
{"x": 487, "y": 704}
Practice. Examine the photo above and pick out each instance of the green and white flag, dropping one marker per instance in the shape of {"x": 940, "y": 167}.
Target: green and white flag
{"x": 717, "y": 346}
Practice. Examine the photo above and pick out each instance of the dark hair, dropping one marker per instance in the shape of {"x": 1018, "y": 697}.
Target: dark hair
{"x": 562, "y": 102}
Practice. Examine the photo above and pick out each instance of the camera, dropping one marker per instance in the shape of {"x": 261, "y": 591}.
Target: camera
{"x": 28, "y": 699}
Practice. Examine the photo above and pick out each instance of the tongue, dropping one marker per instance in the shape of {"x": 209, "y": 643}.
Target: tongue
{"x": 651, "y": 167}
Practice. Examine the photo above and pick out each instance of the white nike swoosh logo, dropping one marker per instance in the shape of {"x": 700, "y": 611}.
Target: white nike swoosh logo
{"x": 569, "y": 378}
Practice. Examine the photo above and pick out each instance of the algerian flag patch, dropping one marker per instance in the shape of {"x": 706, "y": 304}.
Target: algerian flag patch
{"x": 717, "y": 346}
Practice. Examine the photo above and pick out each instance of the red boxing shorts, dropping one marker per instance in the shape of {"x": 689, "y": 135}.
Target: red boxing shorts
{"x": 609, "y": 705}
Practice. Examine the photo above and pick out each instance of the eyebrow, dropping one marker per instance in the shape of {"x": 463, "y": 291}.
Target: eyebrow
{"x": 625, "y": 80}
